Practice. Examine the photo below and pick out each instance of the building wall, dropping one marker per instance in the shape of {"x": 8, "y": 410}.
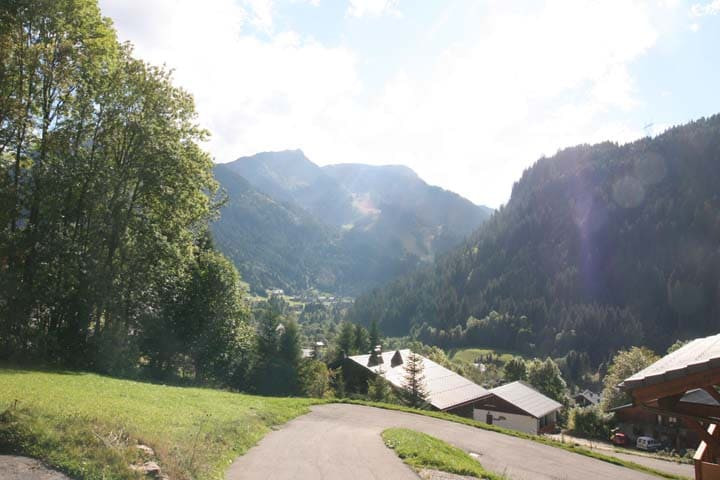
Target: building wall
{"x": 513, "y": 421}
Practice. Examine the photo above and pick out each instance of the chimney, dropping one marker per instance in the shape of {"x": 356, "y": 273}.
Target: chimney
{"x": 396, "y": 359}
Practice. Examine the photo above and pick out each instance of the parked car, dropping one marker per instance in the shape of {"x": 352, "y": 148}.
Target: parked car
{"x": 619, "y": 438}
{"x": 648, "y": 444}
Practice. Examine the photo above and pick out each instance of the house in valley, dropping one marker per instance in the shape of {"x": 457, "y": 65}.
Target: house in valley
{"x": 446, "y": 390}
{"x": 636, "y": 421}
{"x": 518, "y": 406}
{"x": 669, "y": 388}
{"x": 587, "y": 398}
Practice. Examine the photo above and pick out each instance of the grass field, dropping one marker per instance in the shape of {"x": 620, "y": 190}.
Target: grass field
{"x": 88, "y": 425}
{"x": 420, "y": 450}
{"x": 470, "y": 354}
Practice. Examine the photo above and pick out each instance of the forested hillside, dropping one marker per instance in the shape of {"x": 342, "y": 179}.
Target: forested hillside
{"x": 291, "y": 224}
{"x": 600, "y": 247}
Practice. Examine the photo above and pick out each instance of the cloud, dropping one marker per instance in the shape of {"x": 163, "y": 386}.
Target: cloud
{"x": 361, "y": 8}
{"x": 702, "y": 10}
{"x": 522, "y": 84}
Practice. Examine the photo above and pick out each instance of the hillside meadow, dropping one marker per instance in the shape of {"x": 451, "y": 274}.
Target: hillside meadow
{"x": 89, "y": 426}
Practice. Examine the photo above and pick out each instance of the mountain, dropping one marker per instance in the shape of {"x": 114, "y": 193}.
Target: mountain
{"x": 599, "y": 247}
{"x": 291, "y": 224}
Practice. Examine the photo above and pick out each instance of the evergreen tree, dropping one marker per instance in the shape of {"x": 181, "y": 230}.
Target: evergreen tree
{"x": 361, "y": 343}
{"x": 346, "y": 340}
{"x": 379, "y": 389}
{"x": 414, "y": 380}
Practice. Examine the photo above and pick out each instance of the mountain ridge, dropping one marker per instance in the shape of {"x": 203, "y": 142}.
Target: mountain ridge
{"x": 377, "y": 222}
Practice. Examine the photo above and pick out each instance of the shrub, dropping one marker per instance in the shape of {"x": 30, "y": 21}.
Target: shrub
{"x": 589, "y": 422}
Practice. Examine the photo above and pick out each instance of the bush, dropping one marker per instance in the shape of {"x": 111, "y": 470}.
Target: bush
{"x": 589, "y": 422}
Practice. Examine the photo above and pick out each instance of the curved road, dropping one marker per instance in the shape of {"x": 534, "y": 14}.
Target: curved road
{"x": 340, "y": 441}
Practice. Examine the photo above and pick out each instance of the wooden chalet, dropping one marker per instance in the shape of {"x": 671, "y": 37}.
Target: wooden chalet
{"x": 518, "y": 406}
{"x": 662, "y": 387}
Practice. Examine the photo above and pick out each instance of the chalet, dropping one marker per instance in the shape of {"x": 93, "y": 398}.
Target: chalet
{"x": 447, "y": 391}
{"x": 518, "y": 406}
{"x": 663, "y": 387}
{"x": 635, "y": 421}
{"x": 587, "y": 398}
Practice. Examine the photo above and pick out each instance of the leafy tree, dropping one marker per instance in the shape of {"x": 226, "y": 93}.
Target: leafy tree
{"x": 515, "y": 369}
{"x": 589, "y": 422}
{"x": 625, "y": 364}
{"x": 678, "y": 343}
{"x": 414, "y": 380}
{"x": 545, "y": 376}
{"x": 314, "y": 378}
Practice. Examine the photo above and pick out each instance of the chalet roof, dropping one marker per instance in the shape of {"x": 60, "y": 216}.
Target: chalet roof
{"x": 526, "y": 398}
{"x": 697, "y": 395}
{"x": 446, "y": 389}
{"x": 699, "y": 355}
{"x": 590, "y": 396}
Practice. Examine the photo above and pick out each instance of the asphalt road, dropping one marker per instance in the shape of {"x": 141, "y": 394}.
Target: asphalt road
{"x": 343, "y": 442}
{"x": 22, "y": 468}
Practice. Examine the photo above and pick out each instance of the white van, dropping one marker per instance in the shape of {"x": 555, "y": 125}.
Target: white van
{"x": 648, "y": 444}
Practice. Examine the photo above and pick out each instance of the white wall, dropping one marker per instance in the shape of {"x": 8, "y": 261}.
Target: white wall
{"x": 522, "y": 423}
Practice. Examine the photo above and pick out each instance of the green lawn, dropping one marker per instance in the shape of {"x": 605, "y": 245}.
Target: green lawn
{"x": 420, "y": 450}
{"x": 470, "y": 354}
{"x": 88, "y": 425}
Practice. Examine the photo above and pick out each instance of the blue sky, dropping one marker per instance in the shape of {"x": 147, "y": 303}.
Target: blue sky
{"x": 468, "y": 93}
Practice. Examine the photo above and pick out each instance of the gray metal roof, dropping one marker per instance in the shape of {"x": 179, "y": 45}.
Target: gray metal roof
{"x": 446, "y": 389}
{"x": 698, "y": 355}
{"x": 526, "y": 398}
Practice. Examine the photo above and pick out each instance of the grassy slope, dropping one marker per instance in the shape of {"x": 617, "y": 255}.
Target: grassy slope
{"x": 420, "y": 450}
{"x": 87, "y": 425}
{"x": 535, "y": 438}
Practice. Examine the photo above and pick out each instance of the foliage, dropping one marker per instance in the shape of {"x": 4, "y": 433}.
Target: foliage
{"x": 625, "y": 364}
{"x": 92, "y": 431}
{"x": 678, "y": 343}
{"x": 545, "y": 376}
{"x": 379, "y": 389}
{"x": 414, "y": 380}
{"x": 314, "y": 378}
{"x": 598, "y": 247}
{"x": 105, "y": 196}
{"x": 420, "y": 450}
{"x": 589, "y": 422}
{"x": 277, "y": 355}
{"x": 515, "y": 369}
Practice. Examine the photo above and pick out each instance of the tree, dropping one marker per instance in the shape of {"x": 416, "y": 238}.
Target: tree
{"x": 515, "y": 369}
{"x": 314, "y": 378}
{"x": 374, "y": 343}
{"x": 678, "y": 343}
{"x": 545, "y": 376}
{"x": 414, "y": 380}
{"x": 346, "y": 340}
{"x": 361, "y": 343}
{"x": 290, "y": 355}
{"x": 379, "y": 389}
{"x": 374, "y": 335}
{"x": 625, "y": 364}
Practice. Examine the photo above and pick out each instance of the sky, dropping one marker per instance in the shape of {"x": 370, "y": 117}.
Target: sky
{"x": 468, "y": 93}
